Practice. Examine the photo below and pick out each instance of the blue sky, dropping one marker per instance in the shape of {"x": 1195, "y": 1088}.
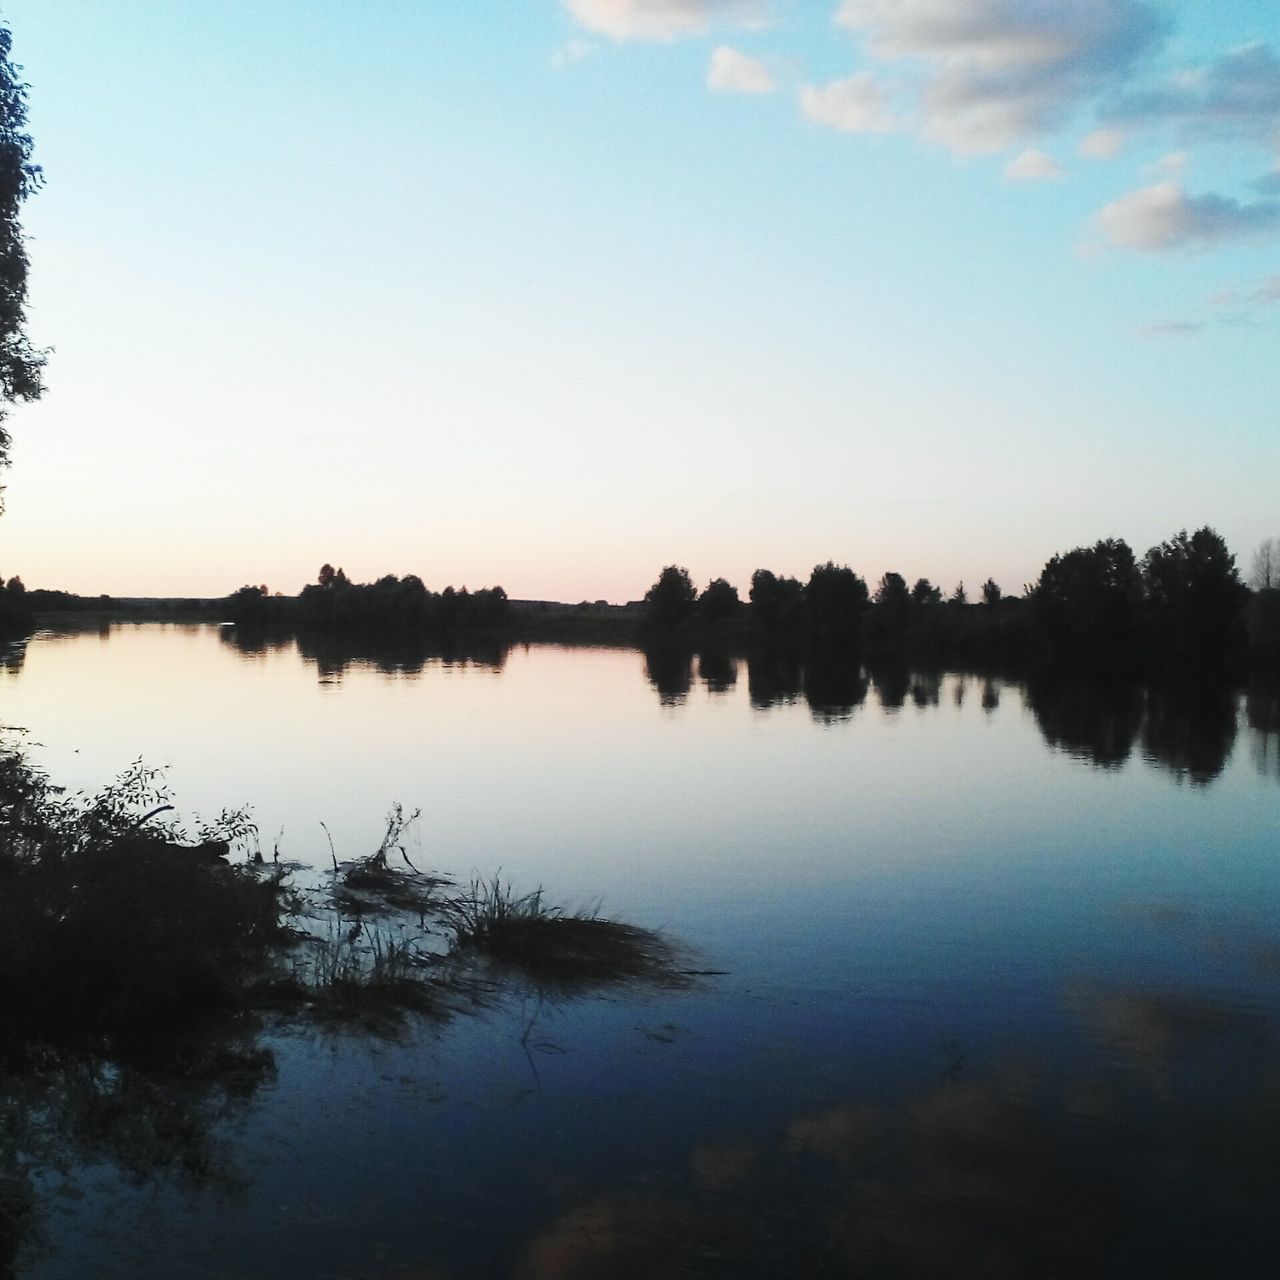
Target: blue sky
{"x": 553, "y": 293}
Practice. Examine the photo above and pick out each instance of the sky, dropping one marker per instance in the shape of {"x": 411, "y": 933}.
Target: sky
{"x": 552, "y": 293}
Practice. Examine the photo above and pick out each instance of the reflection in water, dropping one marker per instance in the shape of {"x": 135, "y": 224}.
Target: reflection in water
{"x": 1090, "y": 720}
{"x": 774, "y": 678}
{"x": 892, "y": 685}
{"x": 670, "y": 671}
{"x": 717, "y": 670}
{"x": 333, "y": 653}
{"x": 1135, "y": 1162}
{"x": 161, "y": 1118}
{"x": 1262, "y": 713}
{"x": 1190, "y": 730}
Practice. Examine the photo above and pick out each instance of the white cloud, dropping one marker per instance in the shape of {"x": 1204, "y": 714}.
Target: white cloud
{"x": 1235, "y": 96}
{"x": 1033, "y": 165}
{"x": 1175, "y": 162}
{"x": 856, "y": 105}
{"x": 734, "y": 72}
{"x": 572, "y": 51}
{"x": 1102, "y": 144}
{"x": 1003, "y": 71}
{"x": 1163, "y": 217}
{"x": 660, "y": 19}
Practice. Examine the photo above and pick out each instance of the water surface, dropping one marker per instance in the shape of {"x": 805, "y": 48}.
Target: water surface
{"x": 1001, "y": 967}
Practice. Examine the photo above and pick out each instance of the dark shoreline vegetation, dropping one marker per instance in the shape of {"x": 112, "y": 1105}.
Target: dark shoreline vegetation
{"x": 1181, "y": 608}
{"x": 139, "y": 965}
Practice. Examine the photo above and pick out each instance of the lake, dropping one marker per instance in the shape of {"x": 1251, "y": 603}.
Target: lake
{"x": 993, "y": 970}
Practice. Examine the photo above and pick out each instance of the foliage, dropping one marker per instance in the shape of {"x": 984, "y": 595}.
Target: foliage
{"x": 671, "y": 599}
{"x": 1087, "y": 602}
{"x": 777, "y": 604}
{"x": 21, "y": 364}
{"x": 719, "y": 601}
{"x": 835, "y": 599}
{"x": 1194, "y": 595}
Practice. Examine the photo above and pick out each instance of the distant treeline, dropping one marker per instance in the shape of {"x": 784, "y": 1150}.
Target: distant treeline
{"x": 16, "y": 608}
{"x": 391, "y": 603}
{"x": 1183, "y": 602}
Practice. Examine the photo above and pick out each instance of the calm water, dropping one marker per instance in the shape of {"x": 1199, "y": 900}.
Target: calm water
{"x": 1001, "y": 970}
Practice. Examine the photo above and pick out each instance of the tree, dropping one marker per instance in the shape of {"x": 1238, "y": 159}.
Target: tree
{"x": 672, "y": 597}
{"x": 925, "y": 593}
{"x": 1266, "y": 565}
{"x": 1087, "y": 601}
{"x": 718, "y": 601}
{"x": 1194, "y": 595}
{"x": 959, "y": 595}
{"x": 21, "y": 364}
{"x": 991, "y": 592}
{"x": 777, "y": 604}
{"x": 835, "y": 600}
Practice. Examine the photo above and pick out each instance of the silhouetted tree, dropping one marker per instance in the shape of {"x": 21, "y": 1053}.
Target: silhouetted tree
{"x": 1086, "y": 603}
{"x": 777, "y": 604}
{"x": 835, "y": 600}
{"x": 991, "y": 592}
{"x": 671, "y": 598}
{"x": 925, "y": 593}
{"x": 887, "y": 624}
{"x": 719, "y": 601}
{"x": 1194, "y": 595}
{"x": 326, "y": 575}
{"x": 21, "y": 364}
{"x": 959, "y": 595}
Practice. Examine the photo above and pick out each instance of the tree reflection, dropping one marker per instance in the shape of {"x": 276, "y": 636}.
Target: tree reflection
{"x": 834, "y": 689}
{"x": 1262, "y": 714}
{"x": 717, "y": 670}
{"x": 669, "y": 669}
{"x": 774, "y": 677}
{"x": 1090, "y": 720}
{"x": 1190, "y": 729}
{"x": 892, "y": 684}
{"x": 161, "y": 1115}
{"x": 334, "y": 653}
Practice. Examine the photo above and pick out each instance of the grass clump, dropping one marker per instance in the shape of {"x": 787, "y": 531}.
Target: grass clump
{"x": 552, "y": 946}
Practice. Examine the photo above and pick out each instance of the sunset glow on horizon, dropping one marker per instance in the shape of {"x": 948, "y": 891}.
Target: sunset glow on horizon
{"x": 553, "y": 294}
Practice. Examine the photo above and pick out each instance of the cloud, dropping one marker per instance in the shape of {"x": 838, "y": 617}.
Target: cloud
{"x": 1002, "y": 71}
{"x": 1174, "y": 162}
{"x": 855, "y": 105}
{"x": 1033, "y": 165}
{"x": 734, "y": 72}
{"x": 1236, "y": 96}
{"x": 1267, "y": 293}
{"x": 1172, "y": 329}
{"x": 1102, "y": 144}
{"x": 1163, "y": 217}
{"x": 572, "y": 51}
{"x": 659, "y": 19}
{"x": 1269, "y": 183}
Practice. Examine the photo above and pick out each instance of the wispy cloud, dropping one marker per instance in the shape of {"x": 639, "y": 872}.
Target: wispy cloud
{"x": 1235, "y": 96}
{"x": 660, "y": 19}
{"x": 856, "y": 105}
{"x": 1172, "y": 329}
{"x": 1163, "y": 217}
{"x": 1245, "y": 305}
{"x": 1000, "y": 72}
{"x": 731, "y": 71}
{"x": 1033, "y": 165}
